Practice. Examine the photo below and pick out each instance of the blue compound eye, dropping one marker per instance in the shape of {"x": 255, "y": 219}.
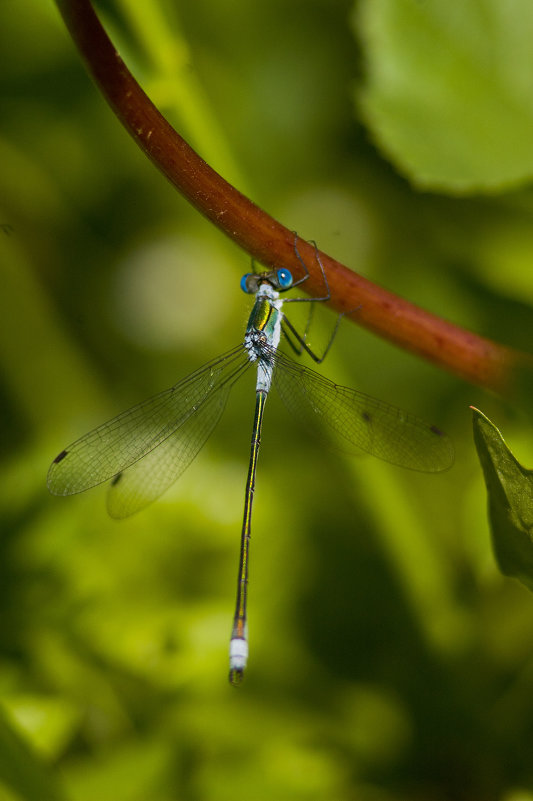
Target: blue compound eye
{"x": 245, "y": 283}
{"x": 284, "y": 278}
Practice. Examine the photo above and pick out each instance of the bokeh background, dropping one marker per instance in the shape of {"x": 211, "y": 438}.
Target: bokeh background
{"x": 389, "y": 658}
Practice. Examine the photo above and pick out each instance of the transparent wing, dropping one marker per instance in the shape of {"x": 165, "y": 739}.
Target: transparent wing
{"x": 116, "y": 445}
{"x": 357, "y": 423}
{"x": 145, "y": 480}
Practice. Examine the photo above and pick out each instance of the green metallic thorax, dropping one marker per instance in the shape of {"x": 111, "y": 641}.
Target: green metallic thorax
{"x": 263, "y": 317}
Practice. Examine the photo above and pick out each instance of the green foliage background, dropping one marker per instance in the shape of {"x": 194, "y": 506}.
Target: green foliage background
{"x": 389, "y": 658}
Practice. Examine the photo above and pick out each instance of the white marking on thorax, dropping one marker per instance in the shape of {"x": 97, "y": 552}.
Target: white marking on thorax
{"x": 254, "y": 340}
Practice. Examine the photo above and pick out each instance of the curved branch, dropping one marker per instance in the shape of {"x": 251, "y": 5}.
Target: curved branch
{"x": 472, "y": 357}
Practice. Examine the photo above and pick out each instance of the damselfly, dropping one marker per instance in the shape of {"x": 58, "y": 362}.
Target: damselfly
{"x": 144, "y": 450}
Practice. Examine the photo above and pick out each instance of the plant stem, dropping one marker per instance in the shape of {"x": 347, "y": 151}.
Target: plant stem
{"x": 472, "y": 357}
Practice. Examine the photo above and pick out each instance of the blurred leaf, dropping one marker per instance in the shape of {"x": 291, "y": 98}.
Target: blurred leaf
{"x": 510, "y": 490}
{"x": 20, "y": 770}
{"x": 130, "y": 772}
{"x": 448, "y": 96}
{"x": 48, "y": 723}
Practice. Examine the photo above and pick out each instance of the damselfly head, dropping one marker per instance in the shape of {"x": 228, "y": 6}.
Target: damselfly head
{"x": 280, "y": 279}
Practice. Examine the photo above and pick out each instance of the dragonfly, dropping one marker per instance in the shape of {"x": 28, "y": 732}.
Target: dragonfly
{"x": 142, "y": 451}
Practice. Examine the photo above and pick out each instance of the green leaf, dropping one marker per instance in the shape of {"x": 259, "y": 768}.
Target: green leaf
{"x": 510, "y": 493}
{"x": 47, "y": 722}
{"x": 21, "y": 770}
{"x": 448, "y": 92}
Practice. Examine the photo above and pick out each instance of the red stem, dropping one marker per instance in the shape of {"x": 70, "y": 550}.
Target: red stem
{"x": 472, "y": 357}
